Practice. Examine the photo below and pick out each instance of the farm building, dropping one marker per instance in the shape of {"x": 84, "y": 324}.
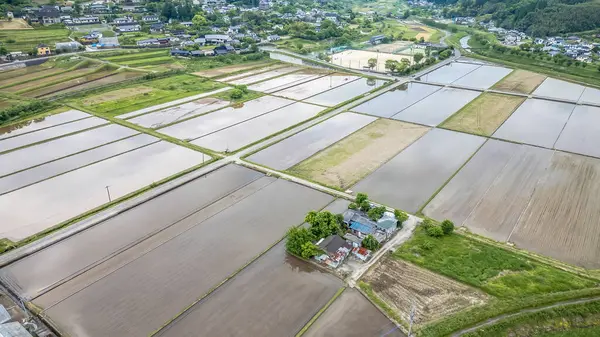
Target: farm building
{"x": 68, "y": 46}
{"x": 376, "y": 39}
{"x": 217, "y": 38}
{"x": 49, "y": 15}
{"x": 108, "y": 42}
{"x": 222, "y": 50}
{"x": 129, "y": 28}
{"x": 179, "y": 52}
{"x": 336, "y": 250}
{"x": 361, "y": 225}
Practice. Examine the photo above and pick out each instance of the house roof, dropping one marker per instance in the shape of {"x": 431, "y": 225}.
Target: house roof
{"x": 361, "y": 227}
{"x": 13, "y": 329}
{"x": 387, "y": 223}
{"x": 49, "y": 11}
{"x": 332, "y": 243}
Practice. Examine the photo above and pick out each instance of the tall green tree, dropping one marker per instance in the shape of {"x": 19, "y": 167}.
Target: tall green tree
{"x": 297, "y": 237}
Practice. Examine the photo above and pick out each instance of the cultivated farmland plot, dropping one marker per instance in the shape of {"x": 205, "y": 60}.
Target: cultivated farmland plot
{"x": 341, "y": 94}
{"x": 163, "y": 117}
{"x": 66, "y": 196}
{"x": 55, "y": 88}
{"x": 582, "y": 132}
{"x": 316, "y": 86}
{"x": 304, "y": 144}
{"x": 536, "y": 122}
{"x": 521, "y": 81}
{"x": 250, "y": 73}
{"x": 286, "y": 81}
{"x": 483, "y": 77}
{"x": 239, "y": 135}
{"x": 401, "y": 284}
{"x": 61, "y": 147}
{"x": 410, "y": 178}
{"x": 53, "y": 168}
{"x": 437, "y": 107}
{"x": 184, "y": 262}
{"x": 263, "y": 76}
{"x": 220, "y": 119}
{"x": 560, "y": 89}
{"x": 41, "y": 123}
{"x": 349, "y": 160}
{"x": 484, "y": 114}
{"x": 34, "y": 274}
{"x": 352, "y": 315}
{"x": 49, "y": 133}
{"x": 449, "y": 73}
{"x": 491, "y": 191}
{"x": 561, "y": 219}
{"x": 20, "y": 76}
{"x": 210, "y": 73}
{"x": 276, "y": 295}
{"x": 26, "y": 87}
{"x": 393, "y": 101}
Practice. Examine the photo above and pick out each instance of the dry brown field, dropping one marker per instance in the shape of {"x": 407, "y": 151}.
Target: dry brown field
{"x": 501, "y": 206}
{"x": 391, "y": 47}
{"x": 400, "y": 284}
{"x": 484, "y": 114}
{"x": 47, "y": 80}
{"x": 26, "y": 76}
{"x": 14, "y": 24}
{"x": 522, "y": 81}
{"x": 352, "y": 315}
{"x": 210, "y": 73}
{"x": 115, "y": 95}
{"x": 67, "y": 84}
{"x": 112, "y": 79}
{"x": 349, "y": 160}
{"x": 561, "y": 220}
{"x": 15, "y": 73}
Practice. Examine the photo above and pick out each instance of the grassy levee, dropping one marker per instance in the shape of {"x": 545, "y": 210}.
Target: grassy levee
{"x": 320, "y": 312}
{"x": 516, "y": 281}
{"x": 584, "y": 317}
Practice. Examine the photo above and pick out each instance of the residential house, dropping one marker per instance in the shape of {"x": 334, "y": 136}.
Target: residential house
{"x": 150, "y": 18}
{"x": 179, "y": 52}
{"x": 273, "y": 38}
{"x": 361, "y": 253}
{"x": 49, "y": 15}
{"x": 67, "y": 47}
{"x": 86, "y": 20}
{"x": 224, "y": 49}
{"x": 187, "y": 24}
{"x": 335, "y": 250}
{"x": 177, "y": 31}
{"x": 264, "y": 5}
{"x": 108, "y": 42}
{"x": 200, "y": 41}
{"x": 213, "y": 3}
{"x": 200, "y": 53}
{"x": 388, "y": 223}
{"x": 98, "y": 8}
{"x": 129, "y": 28}
{"x": 126, "y": 20}
{"x": 157, "y": 27}
{"x": 217, "y": 38}
{"x": 361, "y": 226}
{"x": 43, "y": 50}
{"x": 376, "y": 39}
{"x": 66, "y": 9}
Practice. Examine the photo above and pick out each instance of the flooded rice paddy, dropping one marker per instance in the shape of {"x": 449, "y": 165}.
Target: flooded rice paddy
{"x": 341, "y": 94}
{"x": 536, "y": 122}
{"x": 240, "y": 135}
{"x": 170, "y": 115}
{"x": 263, "y": 76}
{"x": 396, "y": 100}
{"x": 449, "y": 73}
{"x": 582, "y": 132}
{"x": 554, "y": 88}
{"x": 286, "y": 81}
{"x": 316, "y": 86}
{"x": 483, "y": 77}
{"x": 49, "y": 133}
{"x": 38, "y": 154}
{"x": 53, "y": 168}
{"x": 437, "y": 107}
{"x": 41, "y": 123}
{"x": 172, "y": 269}
{"x": 411, "y": 177}
{"x": 304, "y": 144}
{"x": 220, "y": 119}
{"x": 250, "y": 73}
{"x": 590, "y": 96}
{"x": 66, "y": 196}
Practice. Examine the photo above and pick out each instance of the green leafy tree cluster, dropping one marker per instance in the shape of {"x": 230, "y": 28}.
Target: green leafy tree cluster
{"x": 400, "y": 216}
{"x": 323, "y": 224}
{"x": 370, "y": 243}
{"x": 297, "y": 237}
{"x": 437, "y": 230}
{"x": 376, "y": 213}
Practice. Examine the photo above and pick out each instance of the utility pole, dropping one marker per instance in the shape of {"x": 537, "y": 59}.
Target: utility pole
{"x": 108, "y": 192}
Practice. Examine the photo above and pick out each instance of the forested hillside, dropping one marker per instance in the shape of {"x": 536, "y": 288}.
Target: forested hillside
{"x": 536, "y": 17}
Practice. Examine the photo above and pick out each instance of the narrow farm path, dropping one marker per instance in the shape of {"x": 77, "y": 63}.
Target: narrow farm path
{"x": 496, "y": 319}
